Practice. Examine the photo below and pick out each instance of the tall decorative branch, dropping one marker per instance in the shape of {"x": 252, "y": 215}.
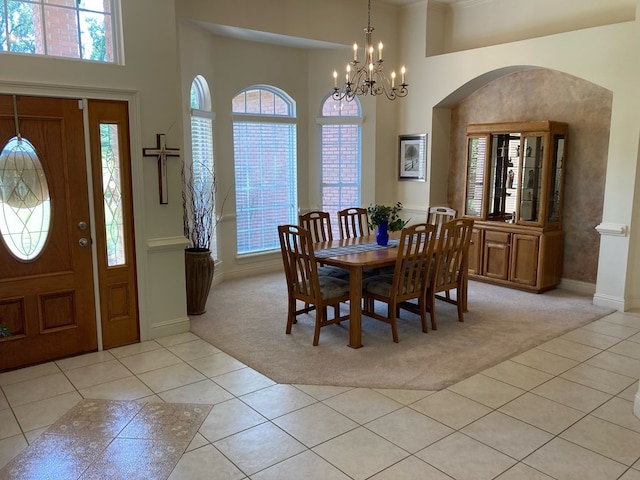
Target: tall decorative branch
{"x": 198, "y": 206}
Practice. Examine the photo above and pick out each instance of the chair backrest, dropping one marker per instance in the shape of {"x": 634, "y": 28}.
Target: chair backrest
{"x": 439, "y": 215}
{"x": 299, "y": 262}
{"x": 318, "y": 224}
{"x": 451, "y": 253}
{"x": 354, "y": 222}
{"x": 413, "y": 264}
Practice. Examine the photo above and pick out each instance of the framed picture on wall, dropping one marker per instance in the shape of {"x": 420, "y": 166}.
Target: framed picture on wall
{"x": 411, "y": 157}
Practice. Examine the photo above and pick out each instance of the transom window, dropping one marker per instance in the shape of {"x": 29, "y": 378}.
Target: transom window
{"x": 340, "y": 156}
{"x": 83, "y": 29}
{"x": 264, "y": 148}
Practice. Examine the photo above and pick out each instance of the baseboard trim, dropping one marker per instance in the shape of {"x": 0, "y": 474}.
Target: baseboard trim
{"x": 577, "y": 287}
{"x": 608, "y": 301}
{"x": 169, "y": 327}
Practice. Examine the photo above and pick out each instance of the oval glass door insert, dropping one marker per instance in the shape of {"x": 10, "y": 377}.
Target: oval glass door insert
{"x": 25, "y": 206}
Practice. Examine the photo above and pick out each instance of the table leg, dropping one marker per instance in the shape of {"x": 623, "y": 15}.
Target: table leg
{"x": 355, "y": 307}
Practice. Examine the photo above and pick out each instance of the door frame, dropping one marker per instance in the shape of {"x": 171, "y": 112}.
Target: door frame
{"x": 137, "y": 187}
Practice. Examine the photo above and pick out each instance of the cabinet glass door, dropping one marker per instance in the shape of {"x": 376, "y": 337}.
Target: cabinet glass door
{"x": 557, "y": 164}
{"x": 476, "y": 159}
{"x": 531, "y": 179}
{"x": 505, "y": 148}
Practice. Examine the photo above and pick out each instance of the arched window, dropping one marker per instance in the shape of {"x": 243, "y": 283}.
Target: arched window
{"x": 340, "y": 155}
{"x": 264, "y": 149}
{"x": 202, "y": 166}
{"x": 79, "y": 29}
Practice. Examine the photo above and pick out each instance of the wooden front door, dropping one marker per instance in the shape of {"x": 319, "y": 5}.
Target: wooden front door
{"x": 46, "y": 300}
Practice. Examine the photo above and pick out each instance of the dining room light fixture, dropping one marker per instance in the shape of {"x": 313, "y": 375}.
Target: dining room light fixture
{"x": 368, "y": 77}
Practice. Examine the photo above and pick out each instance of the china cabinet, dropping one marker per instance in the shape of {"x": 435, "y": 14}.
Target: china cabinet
{"x": 514, "y": 193}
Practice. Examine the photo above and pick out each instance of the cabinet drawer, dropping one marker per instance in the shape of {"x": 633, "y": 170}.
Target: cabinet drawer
{"x": 497, "y": 237}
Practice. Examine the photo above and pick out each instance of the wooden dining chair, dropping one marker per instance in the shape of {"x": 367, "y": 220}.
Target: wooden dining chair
{"x": 354, "y": 222}
{"x": 317, "y": 292}
{"x": 319, "y": 225}
{"x": 409, "y": 280}
{"x": 439, "y": 215}
{"x": 450, "y": 267}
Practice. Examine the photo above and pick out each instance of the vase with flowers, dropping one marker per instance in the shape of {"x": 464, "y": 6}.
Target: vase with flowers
{"x": 385, "y": 219}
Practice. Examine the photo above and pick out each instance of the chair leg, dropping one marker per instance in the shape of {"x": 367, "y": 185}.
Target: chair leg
{"x": 423, "y": 313}
{"x": 321, "y": 315}
{"x": 432, "y": 309}
{"x": 291, "y": 314}
{"x": 392, "y": 319}
{"x": 460, "y": 305}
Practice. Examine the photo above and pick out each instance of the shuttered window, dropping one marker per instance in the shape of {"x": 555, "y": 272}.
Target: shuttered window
{"x": 264, "y": 139}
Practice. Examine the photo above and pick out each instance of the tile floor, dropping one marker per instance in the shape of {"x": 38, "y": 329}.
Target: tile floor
{"x": 563, "y": 410}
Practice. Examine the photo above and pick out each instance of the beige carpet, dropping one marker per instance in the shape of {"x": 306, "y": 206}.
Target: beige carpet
{"x": 246, "y": 318}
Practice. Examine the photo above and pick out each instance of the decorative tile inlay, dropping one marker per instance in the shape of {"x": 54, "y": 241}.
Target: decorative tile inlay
{"x": 100, "y": 439}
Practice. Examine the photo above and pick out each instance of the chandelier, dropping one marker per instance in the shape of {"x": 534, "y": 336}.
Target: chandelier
{"x": 368, "y": 78}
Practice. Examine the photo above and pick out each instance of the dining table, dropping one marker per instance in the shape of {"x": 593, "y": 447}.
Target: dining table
{"x": 357, "y": 255}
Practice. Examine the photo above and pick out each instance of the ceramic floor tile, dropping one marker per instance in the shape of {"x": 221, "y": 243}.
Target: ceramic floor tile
{"x": 193, "y": 349}
{"x": 128, "y": 388}
{"x": 96, "y": 418}
{"x": 167, "y": 421}
{"x": 543, "y": 413}
{"x": 631, "y": 474}
{"x": 135, "y": 349}
{"x": 305, "y": 465}
{"x": 48, "y": 458}
{"x": 177, "y": 339}
{"x": 627, "y": 349}
{"x": 32, "y": 435}
{"x": 635, "y": 338}
{"x": 37, "y": 389}
{"x": 630, "y": 392}
{"x": 216, "y": 364}
{"x": 517, "y": 375}
{"x": 590, "y": 338}
{"x": 545, "y": 361}
{"x": 322, "y": 392}
{"x": 3, "y": 400}
{"x": 8, "y": 424}
{"x": 573, "y": 350}
{"x": 521, "y": 471}
{"x": 228, "y": 418}
{"x": 259, "y": 447}
{"x": 96, "y": 374}
{"x": 28, "y": 373}
{"x": 44, "y": 412}
{"x": 360, "y": 453}
{"x": 204, "y": 391}
{"x": 135, "y": 458}
{"x": 277, "y": 400}
{"x": 409, "y": 429}
{"x": 315, "y": 424}
{"x": 507, "y": 434}
{"x": 464, "y": 458}
{"x": 451, "y": 409}
{"x": 405, "y": 397}
{"x": 411, "y": 468}
{"x": 173, "y": 376}
{"x": 611, "y": 329}
{"x": 197, "y": 442}
{"x": 10, "y": 447}
{"x": 624, "y": 318}
{"x": 598, "y": 378}
{"x": 487, "y": 391}
{"x": 616, "y": 363}
{"x": 362, "y": 404}
{"x": 612, "y": 441}
{"x": 84, "y": 360}
{"x": 147, "y": 361}
{"x": 572, "y": 394}
{"x": 620, "y": 412}
{"x": 201, "y": 464}
{"x": 243, "y": 381}
{"x": 584, "y": 464}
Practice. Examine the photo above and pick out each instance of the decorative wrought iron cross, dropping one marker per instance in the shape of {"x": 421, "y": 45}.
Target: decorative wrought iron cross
{"x": 162, "y": 152}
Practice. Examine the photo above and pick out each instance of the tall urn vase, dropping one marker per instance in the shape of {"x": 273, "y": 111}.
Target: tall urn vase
{"x": 198, "y": 266}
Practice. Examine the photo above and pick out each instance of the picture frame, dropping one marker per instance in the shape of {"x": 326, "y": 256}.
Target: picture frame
{"x": 411, "y": 157}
